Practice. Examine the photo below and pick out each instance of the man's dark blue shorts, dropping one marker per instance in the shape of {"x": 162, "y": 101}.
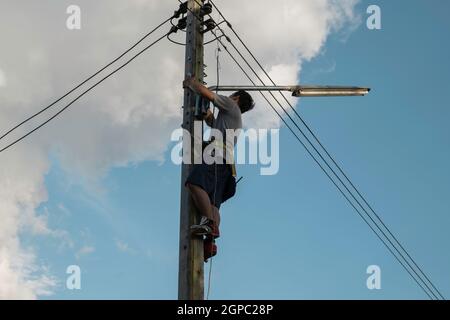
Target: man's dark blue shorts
{"x": 216, "y": 179}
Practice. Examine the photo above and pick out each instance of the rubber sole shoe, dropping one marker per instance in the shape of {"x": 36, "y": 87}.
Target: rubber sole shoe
{"x": 201, "y": 230}
{"x": 206, "y": 228}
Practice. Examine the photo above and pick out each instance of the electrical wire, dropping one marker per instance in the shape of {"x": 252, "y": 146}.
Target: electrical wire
{"x": 184, "y": 44}
{"x": 175, "y": 42}
{"x": 211, "y": 41}
{"x": 86, "y": 80}
{"x": 338, "y": 176}
{"x": 84, "y": 92}
{"x": 332, "y": 158}
{"x": 367, "y": 214}
{"x": 215, "y": 165}
{"x": 331, "y": 179}
{"x": 333, "y": 171}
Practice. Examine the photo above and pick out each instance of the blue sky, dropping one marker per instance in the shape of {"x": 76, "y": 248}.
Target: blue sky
{"x": 292, "y": 236}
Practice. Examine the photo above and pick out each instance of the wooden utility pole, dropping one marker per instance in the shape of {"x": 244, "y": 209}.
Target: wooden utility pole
{"x": 190, "y": 272}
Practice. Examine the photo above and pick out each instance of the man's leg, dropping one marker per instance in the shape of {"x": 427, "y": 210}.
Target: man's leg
{"x": 209, "y": 246}
{"x": 201, "y": 200}
{"x": 216, "y": 215}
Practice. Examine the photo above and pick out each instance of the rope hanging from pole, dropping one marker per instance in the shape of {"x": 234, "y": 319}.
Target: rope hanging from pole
{"x": 218, "y": 50}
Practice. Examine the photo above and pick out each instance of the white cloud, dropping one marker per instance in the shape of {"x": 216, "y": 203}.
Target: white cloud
{"x": 129, "y": 118}
{"x": 84, "y": 251}
{"x": 20, "y": 277}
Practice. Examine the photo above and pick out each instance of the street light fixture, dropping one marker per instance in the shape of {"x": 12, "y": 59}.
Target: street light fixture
{"x": 302, "y": 91}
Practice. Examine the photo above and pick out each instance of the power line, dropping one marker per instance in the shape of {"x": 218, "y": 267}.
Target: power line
{"x": 215, "y": 166}
{"x": 332, "y": 171}
{"x": 395, "y": 247}
{"x": 184, "y": 44}
{"x": 328, "y": 175}
{"x": 326, "y": 151}
{"x": 389, "y": 240}
{"x": 337, "y": 176}
{"x": 175, "y": 42}
{"x": 84, "y": 92}
{"x": 86, "y": 80}
{"x": 353, "y": 196}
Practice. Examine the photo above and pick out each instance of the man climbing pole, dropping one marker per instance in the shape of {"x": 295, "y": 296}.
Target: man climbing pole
{"x": 212, "y": 184}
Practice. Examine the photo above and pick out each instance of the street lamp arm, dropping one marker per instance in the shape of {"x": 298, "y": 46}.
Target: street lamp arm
{"x": 302, "y": 91}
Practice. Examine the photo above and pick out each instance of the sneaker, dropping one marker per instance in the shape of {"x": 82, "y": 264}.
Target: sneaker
{"x": 203, "y": 228}
{"x": 209, "y": 249}
{"x": 206, "y": 227}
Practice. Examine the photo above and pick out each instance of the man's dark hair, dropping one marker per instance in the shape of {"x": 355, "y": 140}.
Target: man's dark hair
{"x": 246, "y": 102}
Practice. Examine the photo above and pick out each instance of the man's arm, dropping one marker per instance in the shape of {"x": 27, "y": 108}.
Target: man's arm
{"x": 209, "y": 118}
{"x": 198, "y": 88}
